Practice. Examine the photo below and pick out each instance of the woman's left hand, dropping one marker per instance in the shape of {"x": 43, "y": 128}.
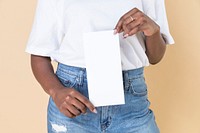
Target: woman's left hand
{"x": 135, "y": 21}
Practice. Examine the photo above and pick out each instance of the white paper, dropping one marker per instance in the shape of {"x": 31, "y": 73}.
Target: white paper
{"x": 103, "y": 66}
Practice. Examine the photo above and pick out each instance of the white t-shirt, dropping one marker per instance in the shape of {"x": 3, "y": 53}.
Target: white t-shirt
{"x": 59, "y": 25}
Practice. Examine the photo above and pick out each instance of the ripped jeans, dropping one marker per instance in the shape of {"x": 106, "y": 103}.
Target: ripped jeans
{"x": 132, "y": 117}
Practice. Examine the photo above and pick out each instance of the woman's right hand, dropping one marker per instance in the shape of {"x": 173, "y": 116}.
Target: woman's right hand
{"x": 71, "y": 103}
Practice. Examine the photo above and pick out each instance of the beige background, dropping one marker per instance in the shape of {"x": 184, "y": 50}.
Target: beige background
{"x": 173, "y": 84}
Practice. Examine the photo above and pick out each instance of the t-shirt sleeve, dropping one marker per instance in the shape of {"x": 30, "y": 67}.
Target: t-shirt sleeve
{"x": 44, "y": 37}
{"x": 156, "y": 10}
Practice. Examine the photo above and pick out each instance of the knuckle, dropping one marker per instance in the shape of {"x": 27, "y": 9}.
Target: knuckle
{"x": 72, "y": 92}
{"x": 68, "y": 98}
{"x": 136, "y": 9}
{"x": 123, "y": 17}
{"x": 120, "y": 20}
{"x": 141, "y": 15}
{"x": 63, "y": 107}
{"x": 141, "y": 20}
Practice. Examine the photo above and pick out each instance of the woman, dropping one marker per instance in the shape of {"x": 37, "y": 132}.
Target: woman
{"x": 57, "y": 34}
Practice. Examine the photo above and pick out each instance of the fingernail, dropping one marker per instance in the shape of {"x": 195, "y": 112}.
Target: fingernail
{"x": 126, "y": 35}
{"x": 94, "y": 111}
{"x": 115, "y": 32}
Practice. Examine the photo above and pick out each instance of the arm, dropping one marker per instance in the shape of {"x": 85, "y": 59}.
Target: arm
{"x": 155, "y": 47}
{"x": 136, "y": 21}
{"x": 69, "y": 101}
{"x": 44, "y": 73}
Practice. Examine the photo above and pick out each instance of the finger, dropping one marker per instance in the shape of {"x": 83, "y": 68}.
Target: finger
{"x": 134, "y": 31}
{"x": 75, "y": 102}
{"x": 126, "y": 22}
{"x": 85, "y": 101}
{"x": 73, "y": 109}
{"x": 130, "y": 19}
{"x": 130, "y": 27}
{"x": 125, "y": 16}
{"x": 140, "y": 21}
{"x": 79, "y": 105}
{"x": 121, "y": 30}
{"x": 118, "y": 27}
{"x": 124, "y": 25}
{"x": 67, "y": 113}
{"x": 126, "y": 30}
{"x": 141, "y": 27}
{"x": 68, "y": 104}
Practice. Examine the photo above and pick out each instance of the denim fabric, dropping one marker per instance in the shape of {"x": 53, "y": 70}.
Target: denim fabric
{"x": 132, "y": 117}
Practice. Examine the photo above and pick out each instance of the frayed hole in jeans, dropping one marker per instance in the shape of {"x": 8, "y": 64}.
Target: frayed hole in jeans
{"x": 58, "y": 128}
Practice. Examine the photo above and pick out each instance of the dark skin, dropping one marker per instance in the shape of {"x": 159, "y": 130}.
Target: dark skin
{"x": 136, "y": 21}
{"x": 69, "y": 101}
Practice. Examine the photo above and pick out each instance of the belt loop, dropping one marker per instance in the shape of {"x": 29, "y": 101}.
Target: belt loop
{"x": 126, "y": 79}
{"x": 80, "y": 77}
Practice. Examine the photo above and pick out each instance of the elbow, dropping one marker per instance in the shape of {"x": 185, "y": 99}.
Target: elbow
{"x": 154, "y": 61}
{"x": 155, "y": 58}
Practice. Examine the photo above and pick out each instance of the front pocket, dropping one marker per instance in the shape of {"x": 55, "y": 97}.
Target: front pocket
{"x": 138, "y": 86}
{"x": 67, "y": 78}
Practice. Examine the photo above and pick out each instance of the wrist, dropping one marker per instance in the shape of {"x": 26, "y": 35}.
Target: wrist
{"x": 155, "y": 33}
{"x": 53, "y": 91}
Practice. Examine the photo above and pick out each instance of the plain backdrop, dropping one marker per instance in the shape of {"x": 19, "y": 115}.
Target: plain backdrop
{"x": 173, "y": 84}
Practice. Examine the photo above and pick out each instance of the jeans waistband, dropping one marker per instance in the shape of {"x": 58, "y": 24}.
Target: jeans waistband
{"x": 133, "y": 73}
{"x": 81, "y": 72}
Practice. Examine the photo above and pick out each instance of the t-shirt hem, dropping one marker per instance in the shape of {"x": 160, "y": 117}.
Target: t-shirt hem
{"x": 36, "y": 52}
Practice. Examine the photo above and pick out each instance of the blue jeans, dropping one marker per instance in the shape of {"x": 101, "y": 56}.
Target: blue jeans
{"x": 132, "y": 117}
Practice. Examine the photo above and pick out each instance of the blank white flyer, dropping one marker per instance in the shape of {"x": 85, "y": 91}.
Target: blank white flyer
{"x": 103, "y": 66}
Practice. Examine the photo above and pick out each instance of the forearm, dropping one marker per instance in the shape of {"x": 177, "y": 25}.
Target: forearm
{"x": 44, "y": 73}
{"x": 155, "y": 47}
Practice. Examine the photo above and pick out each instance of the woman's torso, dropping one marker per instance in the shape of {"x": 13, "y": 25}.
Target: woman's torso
{"x": 75, "y": 17}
